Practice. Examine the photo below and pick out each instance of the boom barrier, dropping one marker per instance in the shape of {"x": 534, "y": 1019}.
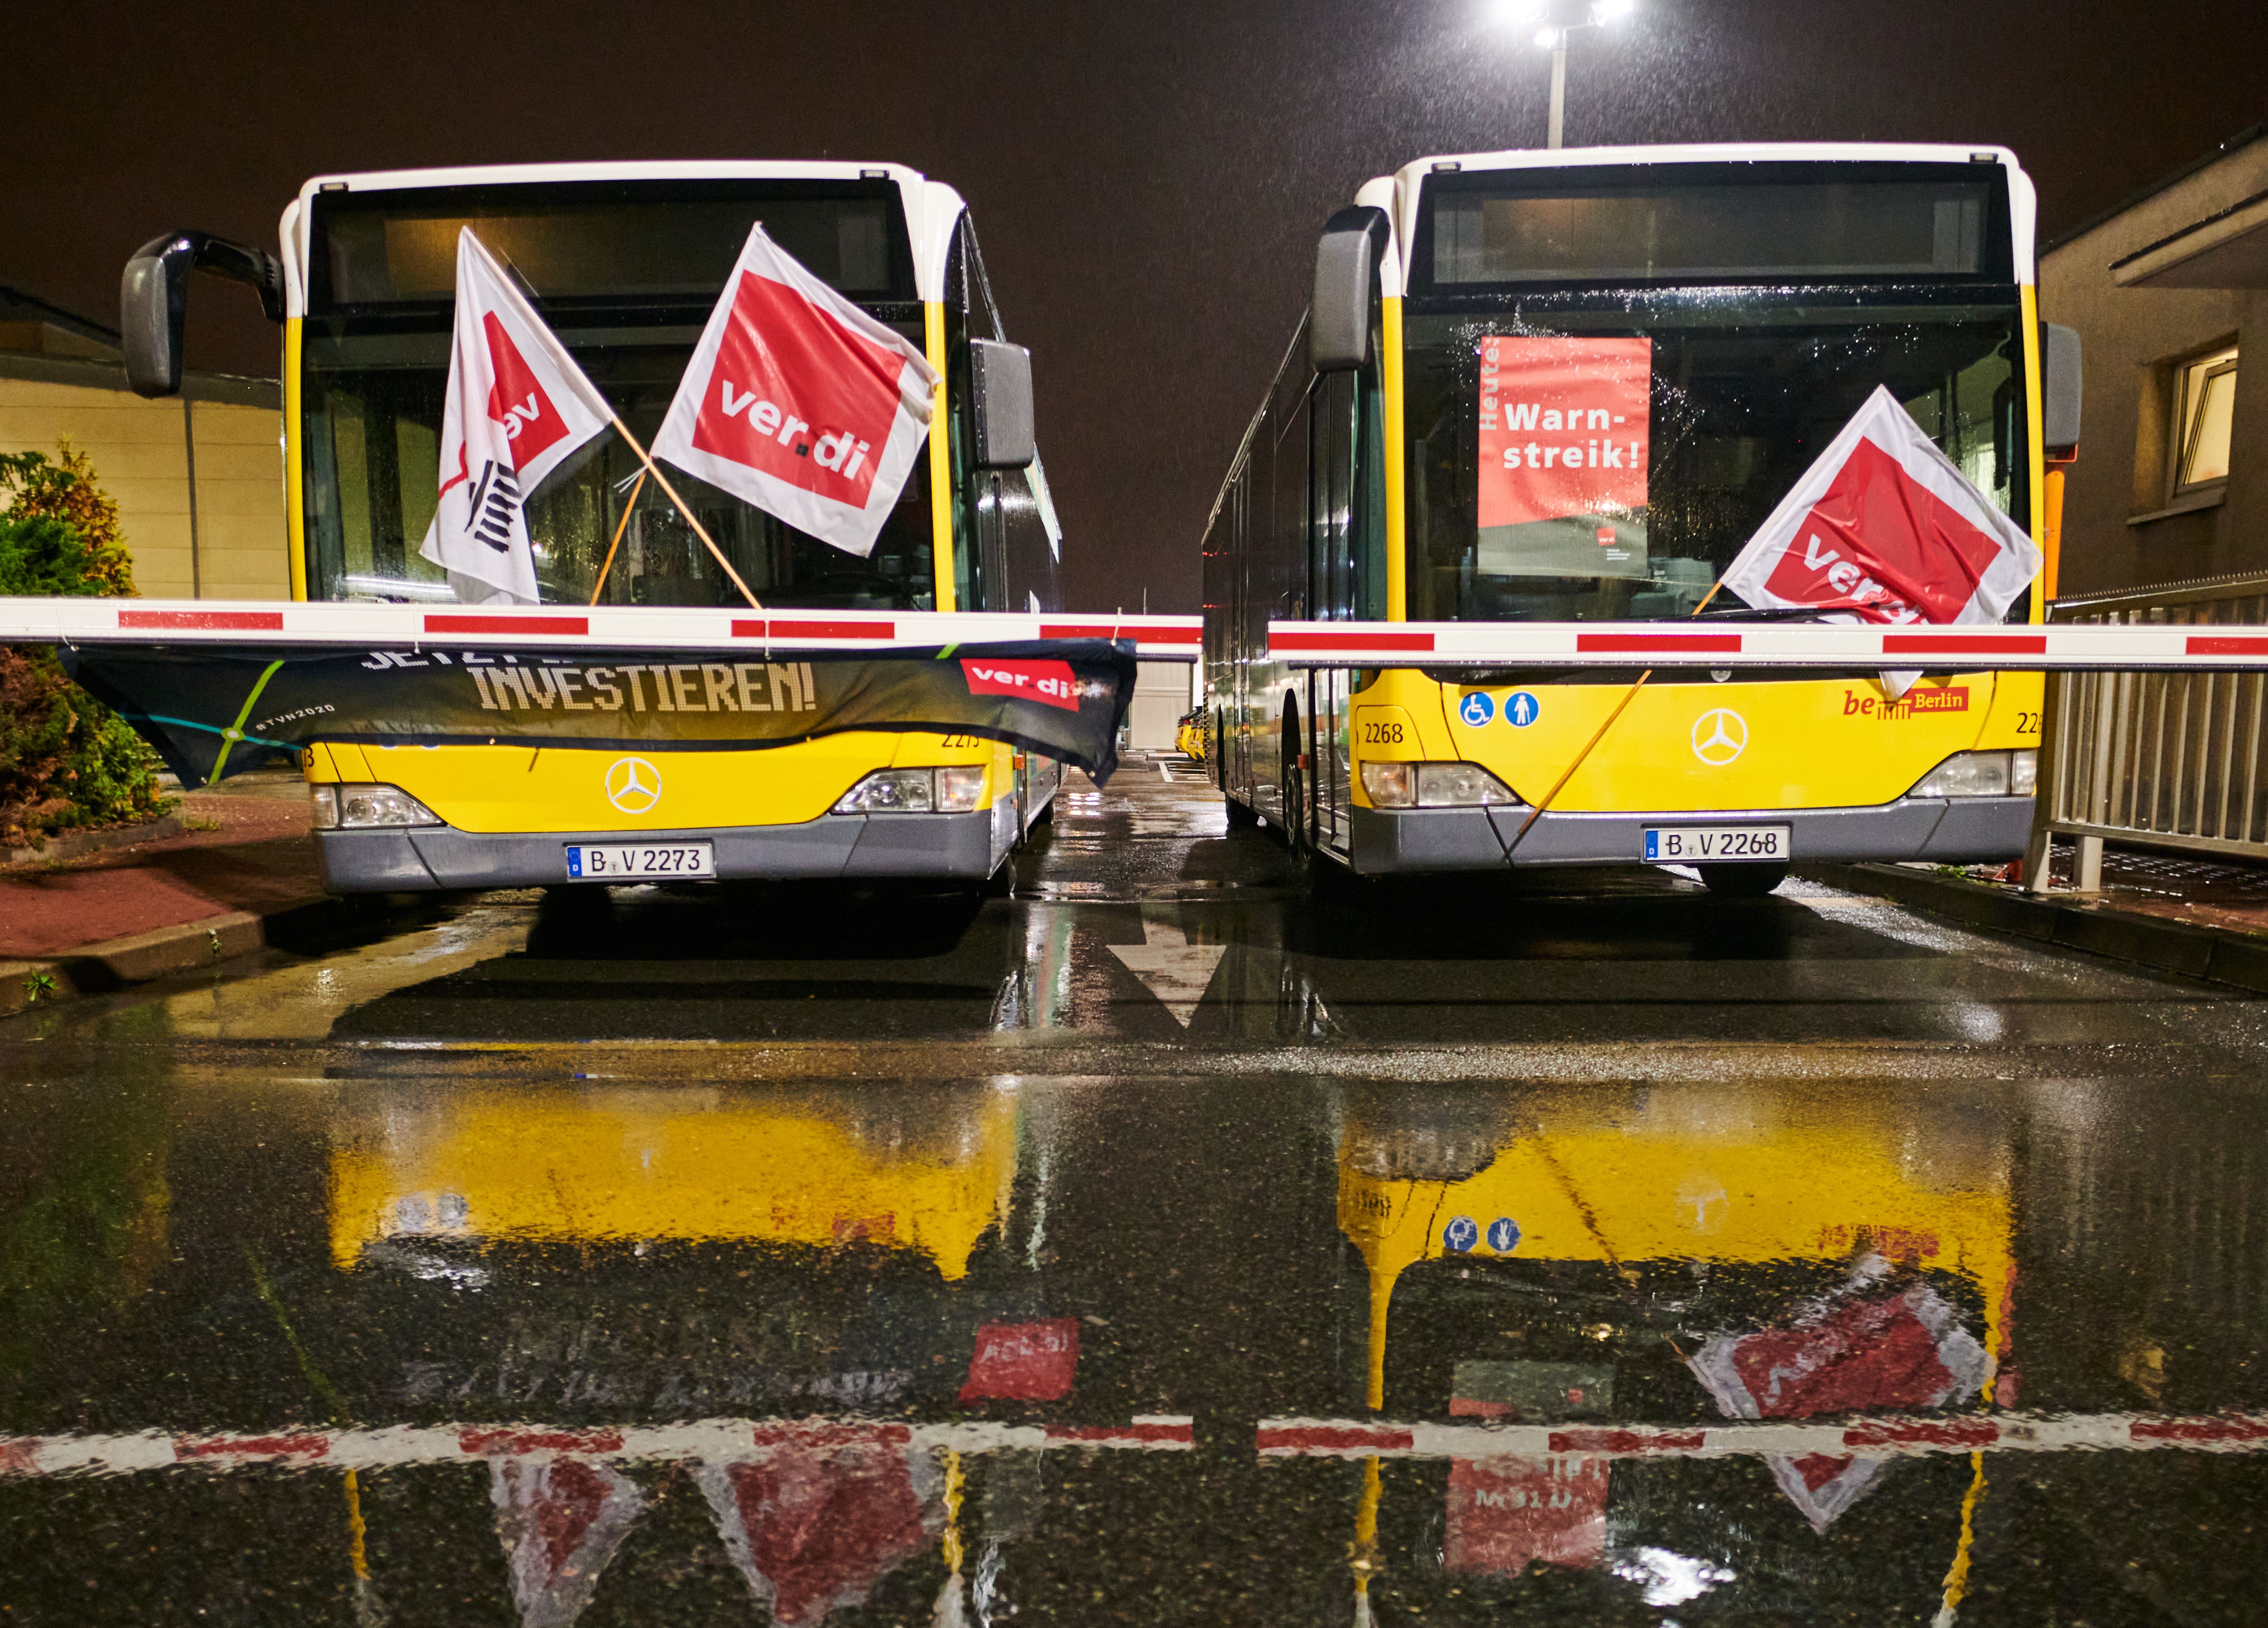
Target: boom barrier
{"x": 2061, "y": 648}
{"x": 736, "y": 1440}
{"x": 325, "y": 624}
{"x": 1878, "y": 1437}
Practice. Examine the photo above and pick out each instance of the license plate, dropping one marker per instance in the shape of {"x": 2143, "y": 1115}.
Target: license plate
{"x": 640, "y": 862}
{"x": 1709, "y": 845}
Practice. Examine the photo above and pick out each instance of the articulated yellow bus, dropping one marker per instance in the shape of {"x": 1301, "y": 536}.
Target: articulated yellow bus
{"x": 624, "y": 262}
{"x": 1746, "y": 301}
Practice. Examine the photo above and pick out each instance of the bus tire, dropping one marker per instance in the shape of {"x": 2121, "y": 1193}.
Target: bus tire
{"x": 1743, "y": 880}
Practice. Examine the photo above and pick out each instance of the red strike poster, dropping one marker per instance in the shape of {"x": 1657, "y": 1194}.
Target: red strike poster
{"x": 1564, "y": 427}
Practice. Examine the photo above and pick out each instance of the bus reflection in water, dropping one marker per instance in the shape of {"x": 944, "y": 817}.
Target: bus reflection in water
{"x": 597, "y": 1260}
{"x": 1672, "y": 1257}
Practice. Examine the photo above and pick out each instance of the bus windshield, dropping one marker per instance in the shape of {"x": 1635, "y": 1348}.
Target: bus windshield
{"x": 1605, "y": 398}
{"x": 625, "y": 273}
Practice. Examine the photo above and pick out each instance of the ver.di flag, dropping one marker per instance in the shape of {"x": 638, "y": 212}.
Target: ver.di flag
{"x": 1883, "y": 527}
{"x": 800, "y": 403}
{"x": 516, "y": 406}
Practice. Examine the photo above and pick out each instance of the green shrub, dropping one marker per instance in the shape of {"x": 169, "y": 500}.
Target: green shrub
{"x": 66, "y": 760}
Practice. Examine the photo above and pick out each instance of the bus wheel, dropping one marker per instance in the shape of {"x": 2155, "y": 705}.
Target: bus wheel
{"x": 1743, "y": 880}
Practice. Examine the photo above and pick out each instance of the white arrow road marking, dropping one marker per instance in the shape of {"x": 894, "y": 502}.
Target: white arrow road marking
{"x": 1170, "y": 967}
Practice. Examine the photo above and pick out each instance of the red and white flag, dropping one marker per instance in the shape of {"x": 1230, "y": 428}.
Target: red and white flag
{"x": 1867, "y": 1346}
{"x": 561, "y": 1520}
{"x": 800, "y": 403}
{"x": 1885, "y": 528}
{"x": 517, "y": 408}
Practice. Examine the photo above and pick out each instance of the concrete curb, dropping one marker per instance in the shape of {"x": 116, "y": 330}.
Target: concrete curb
{"x": 78, "y": 844}
{"x": 114, "y": 964}
{"x": 2218, "y": 955}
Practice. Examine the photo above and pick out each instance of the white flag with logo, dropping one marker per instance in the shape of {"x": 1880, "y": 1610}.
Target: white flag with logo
{"x": 517, "y": 408}
{"x": 800, "y": 403}
{"x": 1883, "y": 527}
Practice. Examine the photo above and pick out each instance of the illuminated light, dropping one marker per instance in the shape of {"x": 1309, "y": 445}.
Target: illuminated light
{"x": 1517, "y": 13}
{"x": 1548, "y": 39}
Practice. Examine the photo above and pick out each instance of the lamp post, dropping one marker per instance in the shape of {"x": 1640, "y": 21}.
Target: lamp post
{"x": 1553, "y": 38}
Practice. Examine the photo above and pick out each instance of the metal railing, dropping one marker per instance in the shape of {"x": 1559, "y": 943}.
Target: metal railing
{"x": 2156, "y": 760}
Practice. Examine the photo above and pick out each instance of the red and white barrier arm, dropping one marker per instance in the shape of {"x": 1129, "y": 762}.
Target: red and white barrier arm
{"x": 715, "y": 1441}
{"x": 1868, "y": 1438}
{"x": 562, "y": 627}
{"x": 2059, "y": 647}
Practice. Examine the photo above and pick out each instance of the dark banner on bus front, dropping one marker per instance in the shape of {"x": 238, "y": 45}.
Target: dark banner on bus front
{"x": 215, "y": 712}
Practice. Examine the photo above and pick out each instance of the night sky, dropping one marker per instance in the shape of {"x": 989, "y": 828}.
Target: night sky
{"x": 1147, "y": 180}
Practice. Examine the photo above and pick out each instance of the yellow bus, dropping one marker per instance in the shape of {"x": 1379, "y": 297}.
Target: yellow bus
{"x": 1750, "y": 299}
{"x": 624, "y": 262}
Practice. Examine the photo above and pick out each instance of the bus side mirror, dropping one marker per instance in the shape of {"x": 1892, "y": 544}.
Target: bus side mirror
{"x": 153, "y": 300}
{"x": 1000, "y": 404}
{"x": 1346, "y": 272}
{"x": 2059, "y": 389}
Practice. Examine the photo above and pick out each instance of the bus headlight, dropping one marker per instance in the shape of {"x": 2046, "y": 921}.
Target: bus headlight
{"x": 958, "y": 788}
{"x": 890, "y": 791}
{"x": 1432, "y": 786}
{"x": 1981, "y": 774}
{"x": 1459, "y": 786}
{"x": 952, "y": 790}
{"x": 354, "y": 807}
{"x": 1391, "y": 785}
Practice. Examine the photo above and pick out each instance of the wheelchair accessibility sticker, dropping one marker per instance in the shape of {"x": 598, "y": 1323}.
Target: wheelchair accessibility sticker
{"x": 1477, "y": 709}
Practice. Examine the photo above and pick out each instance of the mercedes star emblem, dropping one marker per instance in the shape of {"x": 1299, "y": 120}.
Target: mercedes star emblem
{"x": 1719, "y": 735}
{"x": 634, "y": 785}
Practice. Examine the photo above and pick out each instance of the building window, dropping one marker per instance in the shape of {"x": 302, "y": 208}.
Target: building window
{"x": 2204, "y": 393}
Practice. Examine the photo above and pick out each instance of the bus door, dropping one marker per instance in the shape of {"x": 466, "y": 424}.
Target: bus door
{"x": 1237, "y": 767}
{"x": 1331, "y": 593}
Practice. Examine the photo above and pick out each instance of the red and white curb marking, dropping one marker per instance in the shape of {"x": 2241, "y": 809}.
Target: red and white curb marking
{"x": 354, "y": 627}
{"x": 717, "y": 1441}
{"x": 1873, "y": 1438}
{"x": 2066, "y": 646}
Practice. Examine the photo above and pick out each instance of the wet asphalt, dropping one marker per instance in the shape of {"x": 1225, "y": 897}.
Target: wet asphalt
{"x": 1176, "y": 1239}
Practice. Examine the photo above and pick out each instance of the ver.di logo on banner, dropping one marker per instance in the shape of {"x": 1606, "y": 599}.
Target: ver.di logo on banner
{"x": 1051, "y": 682}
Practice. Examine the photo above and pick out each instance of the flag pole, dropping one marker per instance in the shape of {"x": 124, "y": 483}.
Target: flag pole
{"x": 699, "y": 530}
{"x": 620, "y": 526}
{"x": 1589, "y": 746}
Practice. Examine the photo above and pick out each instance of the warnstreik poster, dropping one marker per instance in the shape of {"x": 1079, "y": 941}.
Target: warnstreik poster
{"x": 1563, "y": 429}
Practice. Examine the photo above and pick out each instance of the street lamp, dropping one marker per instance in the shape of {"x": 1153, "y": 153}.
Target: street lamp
{"x": 1553, "y": 38}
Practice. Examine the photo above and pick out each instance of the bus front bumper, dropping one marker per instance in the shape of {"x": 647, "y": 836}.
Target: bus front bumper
{"x": 1951, "y": 830}
{"x": 963, "y": 848}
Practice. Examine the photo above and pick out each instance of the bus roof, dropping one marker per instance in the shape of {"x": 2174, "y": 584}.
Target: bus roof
{"x": 931, "y": 206}
{"x": 1398, "y": 194}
